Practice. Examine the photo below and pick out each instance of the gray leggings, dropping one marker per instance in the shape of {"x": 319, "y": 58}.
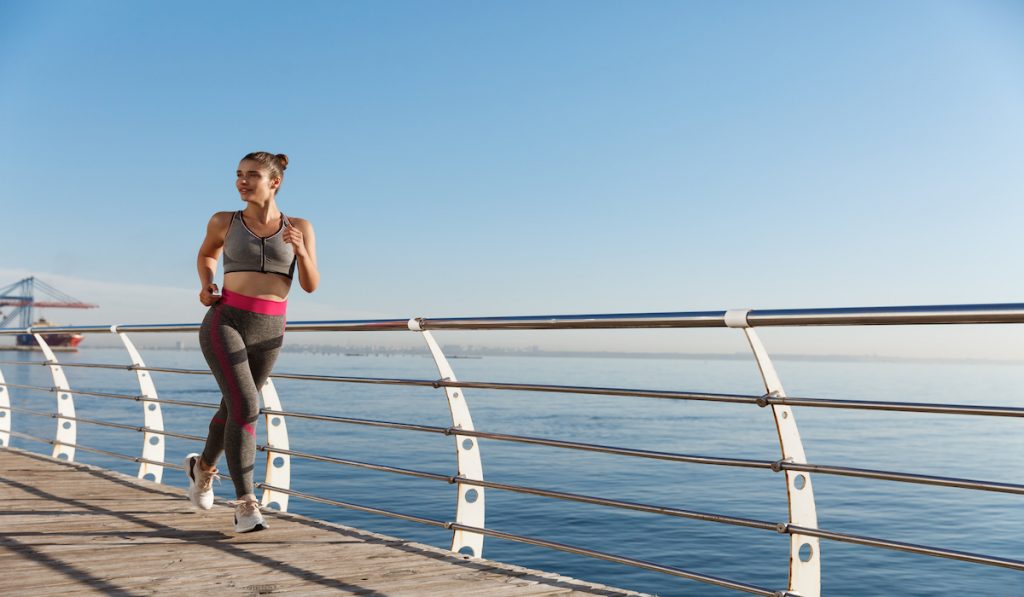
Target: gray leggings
{"x": 240, "y": 347}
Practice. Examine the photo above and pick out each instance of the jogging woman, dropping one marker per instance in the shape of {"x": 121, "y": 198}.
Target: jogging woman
{"x": 244, "y": 327}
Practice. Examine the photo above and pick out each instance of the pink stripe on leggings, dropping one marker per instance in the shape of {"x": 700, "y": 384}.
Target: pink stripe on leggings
{"x": 229, "y": 373}
{"x": 251, "y": 303}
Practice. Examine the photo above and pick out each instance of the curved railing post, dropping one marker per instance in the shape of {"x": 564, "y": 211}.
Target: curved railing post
{"x": 5, "y": 413}
{"x": 66, "y": 437}
{"x": 470, "y": 509}
{"x": 279, "y": 466}
{"x": 804, "y": 551}
{"x": 152, "y": 443}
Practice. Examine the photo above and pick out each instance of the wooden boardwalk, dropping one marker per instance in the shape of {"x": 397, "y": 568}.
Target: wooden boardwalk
{"x": 74, "y": 529}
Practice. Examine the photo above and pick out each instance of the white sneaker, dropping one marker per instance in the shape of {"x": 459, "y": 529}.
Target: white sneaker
{"x": 248, "y": 517}
{"x": 200, "y": 482}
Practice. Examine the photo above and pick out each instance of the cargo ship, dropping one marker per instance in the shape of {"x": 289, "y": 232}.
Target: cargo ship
{"x": 61, "y": 340}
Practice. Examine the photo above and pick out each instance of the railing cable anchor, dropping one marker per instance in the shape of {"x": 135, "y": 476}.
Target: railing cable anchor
{"x": 766, "y": 399}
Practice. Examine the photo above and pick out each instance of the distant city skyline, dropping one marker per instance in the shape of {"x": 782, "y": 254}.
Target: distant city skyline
{"x": 473, "y": 159}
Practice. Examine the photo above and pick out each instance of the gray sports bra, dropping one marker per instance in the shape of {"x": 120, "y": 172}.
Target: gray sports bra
{"x": 246, "y": 252}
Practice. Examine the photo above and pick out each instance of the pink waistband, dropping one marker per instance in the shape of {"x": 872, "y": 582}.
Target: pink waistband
{"x": 251, "y": 303}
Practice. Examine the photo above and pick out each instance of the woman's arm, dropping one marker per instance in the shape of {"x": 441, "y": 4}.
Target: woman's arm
{"x": 209, "y": 251}
{"x": 300, "y": 234}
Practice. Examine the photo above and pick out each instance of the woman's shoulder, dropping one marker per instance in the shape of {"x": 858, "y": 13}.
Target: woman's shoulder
{"x": 222, "y": 218}
{"x": 299, "y": 222}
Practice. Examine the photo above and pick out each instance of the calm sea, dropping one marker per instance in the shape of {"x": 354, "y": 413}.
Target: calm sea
{"x": 985, "y": 448}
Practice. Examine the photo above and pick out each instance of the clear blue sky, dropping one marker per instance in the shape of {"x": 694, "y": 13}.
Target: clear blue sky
{"x": 489, "y": 158}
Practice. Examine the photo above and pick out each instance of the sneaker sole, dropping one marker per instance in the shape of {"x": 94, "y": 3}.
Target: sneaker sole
{"x": 260, "y": 526}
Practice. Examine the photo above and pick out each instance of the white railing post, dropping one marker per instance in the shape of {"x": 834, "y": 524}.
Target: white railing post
{"x": 5, "y": 413}
{"x": 279, "y": 466}
{"x": 470, "y": 509}
{"x": 152, "y": 417}
{"x": 804, "y": 552}
{"x": 66, "y": 437}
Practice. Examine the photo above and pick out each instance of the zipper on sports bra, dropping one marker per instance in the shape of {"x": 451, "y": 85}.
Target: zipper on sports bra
{"x": 263, "y": 255}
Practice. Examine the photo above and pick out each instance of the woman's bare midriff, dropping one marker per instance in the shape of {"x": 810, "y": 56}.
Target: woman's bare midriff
{"x": 271, "y": 287}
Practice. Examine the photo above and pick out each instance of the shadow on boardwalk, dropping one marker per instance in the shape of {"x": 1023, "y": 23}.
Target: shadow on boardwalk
{"x": 73, "y": 528}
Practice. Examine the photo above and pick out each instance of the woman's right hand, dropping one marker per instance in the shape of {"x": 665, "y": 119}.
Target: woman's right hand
{"x": 209, "y": 295}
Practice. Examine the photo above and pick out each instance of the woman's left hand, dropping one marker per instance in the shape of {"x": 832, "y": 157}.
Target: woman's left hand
{"x": 293, "y": 236}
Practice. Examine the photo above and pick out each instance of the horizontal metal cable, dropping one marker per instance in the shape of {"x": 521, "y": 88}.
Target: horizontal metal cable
{"x": 904, "y": 477}
{"x": 112, "y": 366}
{"x": 921, "y": 407}
{"x": 918, "y": 407}
{"x": 179, "y": 402}
{"x": 58, "y": 364}
{"x": 81, "y": 392}
{"x": 540, "y": 441}
{"x": 574, "y": 497}
{"x": 105, "y": 452}
{"x": 179, "y": 467}
{"x": 357, "y": 464}
{"x": 331, "y": 378}
{"x": 135, "y": 428}
{"x": 599, "y": 391}
{"x": 194, "y": 438}
{"x": 78, "y": 446}
{"x": 705, "y": 578}
{"x": 135, "y": 397}
{"x": 352, "y": 421}
{"x": 25, "y": 387}
{"x": 27, "y": 411}
{"x": 915, "y": 407}
{"x": 30, "y": 437}
{"x": 347, "y": 505}
{"x": 383, "y": 381}
{"x": 171, "y": 370}
{"x": 652, "y": 454}
{"x": 909, "y": 547}
{"x": 132, "y": 458}
{"x": 51, "y": 415}
{"x": 172, "y": 465}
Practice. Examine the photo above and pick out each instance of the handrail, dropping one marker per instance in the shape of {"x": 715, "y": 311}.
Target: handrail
{"x": 894, "y": 315}
{"x": 468, "y": 527}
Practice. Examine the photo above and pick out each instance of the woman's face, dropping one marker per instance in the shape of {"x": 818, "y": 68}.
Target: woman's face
{"x": 254, "y": 183}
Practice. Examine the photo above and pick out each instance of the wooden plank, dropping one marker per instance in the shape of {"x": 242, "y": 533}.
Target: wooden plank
{"x": 72, "y": 528}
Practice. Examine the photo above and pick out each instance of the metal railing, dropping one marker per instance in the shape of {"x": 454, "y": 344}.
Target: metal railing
{"x": 468, "y": 528}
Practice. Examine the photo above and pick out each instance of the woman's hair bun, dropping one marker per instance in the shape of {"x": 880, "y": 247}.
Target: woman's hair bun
{"x": 283, "y": 160}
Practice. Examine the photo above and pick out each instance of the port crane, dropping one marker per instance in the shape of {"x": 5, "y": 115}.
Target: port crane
{"x": 22, "y": 296}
